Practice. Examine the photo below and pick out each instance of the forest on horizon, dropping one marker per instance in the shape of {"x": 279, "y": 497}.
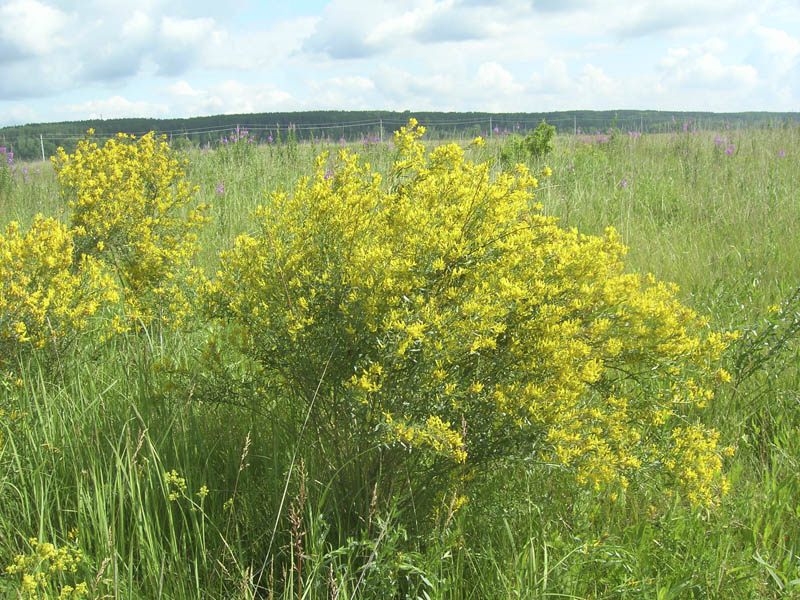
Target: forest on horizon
{"x": 31, "y": 141}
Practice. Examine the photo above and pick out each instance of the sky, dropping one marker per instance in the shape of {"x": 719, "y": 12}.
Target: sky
{"x": 85, "y": 59}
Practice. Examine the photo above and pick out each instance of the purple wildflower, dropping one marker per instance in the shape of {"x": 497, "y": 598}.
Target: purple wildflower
{"x": 220, "y": 189}
{"x": 269, "y": 139}
{"x": 328, "y": 174}
{"x": 730, "y": 149}
{"x": 496, "y": 129}
{"x": 624, "y": 183}
{"x": 782, "y": 153}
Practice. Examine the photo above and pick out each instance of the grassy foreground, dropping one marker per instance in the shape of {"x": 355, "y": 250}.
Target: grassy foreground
{"x": 153, "y": 495}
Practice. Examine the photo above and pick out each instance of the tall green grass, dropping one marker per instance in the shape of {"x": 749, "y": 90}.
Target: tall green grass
{"x": 85, "y": 458}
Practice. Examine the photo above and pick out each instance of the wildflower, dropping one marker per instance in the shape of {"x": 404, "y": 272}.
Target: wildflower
{"x": 730, "y": 149}
{"x": 624, "y": 183}
{"x": 782, "y": 153}
{"x": 269, "y": 139}
{"x": 220, "y": 189}
{"x": 328, "y": 174}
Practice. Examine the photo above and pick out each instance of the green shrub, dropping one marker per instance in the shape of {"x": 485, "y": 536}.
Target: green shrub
{"x": 537, "y": 144}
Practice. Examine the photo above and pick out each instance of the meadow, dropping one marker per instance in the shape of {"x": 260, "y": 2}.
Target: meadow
{"x": 144, "y": 452}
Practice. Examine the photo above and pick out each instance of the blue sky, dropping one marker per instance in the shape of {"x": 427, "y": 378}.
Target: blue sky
{"x": 70, "y": 60}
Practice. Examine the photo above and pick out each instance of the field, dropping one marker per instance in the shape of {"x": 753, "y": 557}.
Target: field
{"x": 144, "y": 468}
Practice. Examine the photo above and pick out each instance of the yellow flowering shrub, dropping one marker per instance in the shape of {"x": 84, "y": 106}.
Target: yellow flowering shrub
{"x": 41, "y": 573}
{"x": 439, "y": 312}
{"x": 130, "y": 204}
{"x": 46, "y": 298}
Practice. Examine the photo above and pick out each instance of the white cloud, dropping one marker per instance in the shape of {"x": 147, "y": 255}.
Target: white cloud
{"x": 30, "y": 28}
{"x": 351, "y": 29}
{"x": 549, "y": 82}
{"x": 348, "y": 92}
{"x": 265, "y": 48}
{"x": 138, "y": 27}
{"x": 402, "y": 90}
{"x": 18, "y": 114}
{"x": 227, "y": 97}
{"x": 494, "y": 79}
{"x": 698, "y": 66}
{"x": 114, "y": 107}
{"x": 185, "y": 32}
{"x": 782, "y": 48}
{"x": 596, "y": 86}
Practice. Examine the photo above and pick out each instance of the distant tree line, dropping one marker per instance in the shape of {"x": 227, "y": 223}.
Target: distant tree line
{"x": 29, "y": 142}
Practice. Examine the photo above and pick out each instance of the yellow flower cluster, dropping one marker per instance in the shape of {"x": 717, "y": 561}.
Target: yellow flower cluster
{"x": 45, "y": 296}
{"x": 442, "y": 295}
{"x": 176, "y": 484}
{"x": 434, "y": 434}
{"x": 695, "y": 462}
{"x": 130, "y": 208}
{"x": 38, "y": 572}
